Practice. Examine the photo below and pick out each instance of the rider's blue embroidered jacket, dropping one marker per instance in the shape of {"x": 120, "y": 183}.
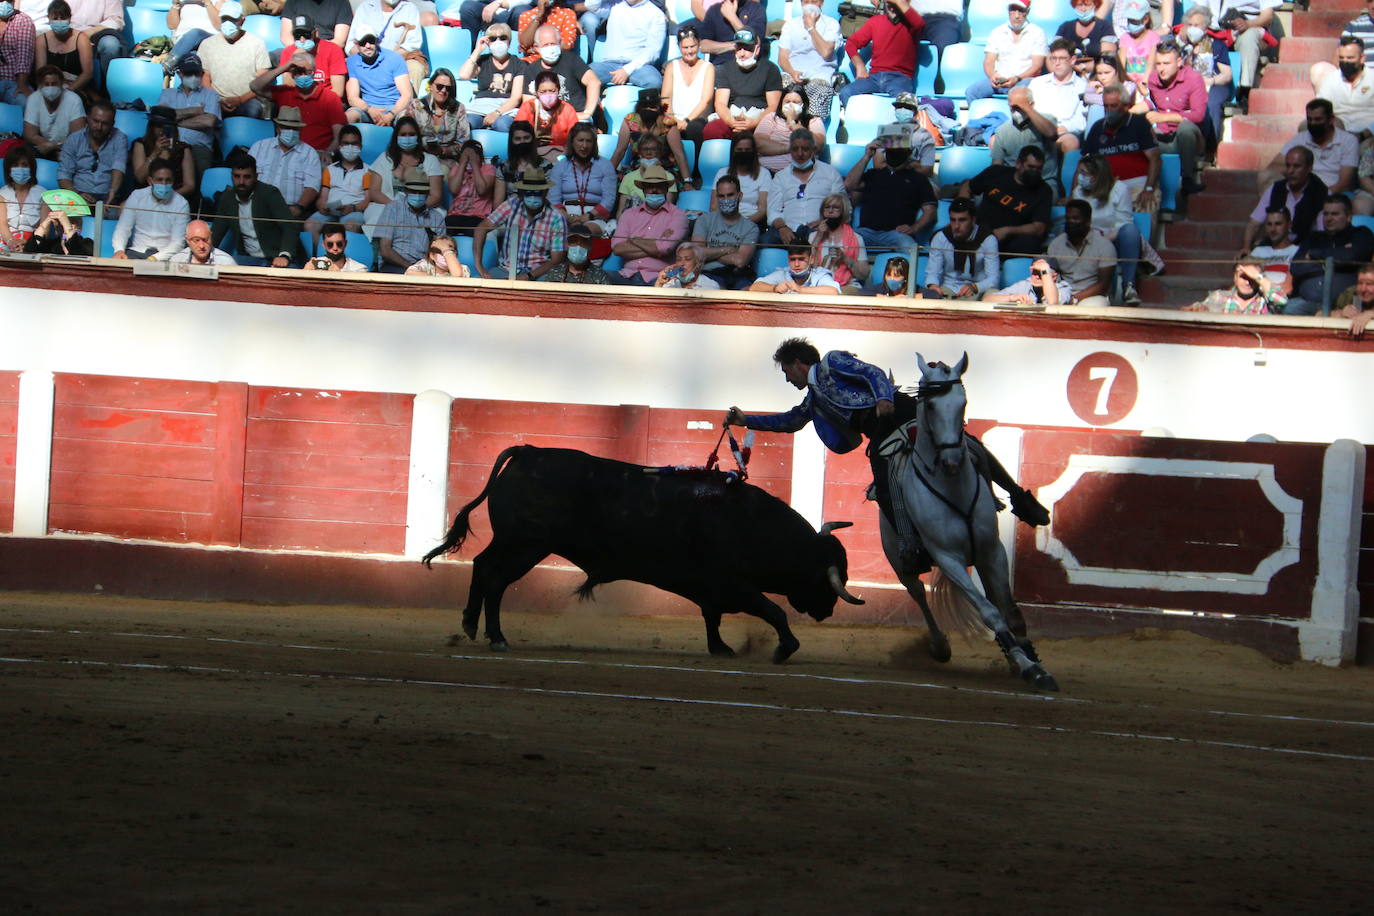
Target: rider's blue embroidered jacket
{"x": 837, "y": 386}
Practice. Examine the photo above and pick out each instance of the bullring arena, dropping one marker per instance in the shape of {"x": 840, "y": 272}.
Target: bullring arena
{"x": 230, "y": 685}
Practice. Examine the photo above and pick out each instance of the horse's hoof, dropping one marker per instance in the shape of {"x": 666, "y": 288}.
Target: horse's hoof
{"x": 783, "y": 652}
{"x": 939, "y": 650}
{"x": 722, "y": 651}
{"x": 500, "y": 645}
{"x": 1040, "y": 679}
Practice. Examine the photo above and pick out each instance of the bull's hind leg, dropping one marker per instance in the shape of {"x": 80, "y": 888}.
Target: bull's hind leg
{"x": 714, "y": 644}
{"x": 775, "y": 617}
{"x": 493, "y": 571}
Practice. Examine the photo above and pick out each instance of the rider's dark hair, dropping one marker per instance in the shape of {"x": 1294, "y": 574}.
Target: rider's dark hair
{"x": 796, "y": 348}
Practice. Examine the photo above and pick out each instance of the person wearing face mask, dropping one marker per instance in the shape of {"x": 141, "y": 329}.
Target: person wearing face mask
{"x": 500, "y": 80}
{"x": 331, "y": 67}
{"x": 320, "y": 109}
{"x": 1086, "y": 259}
{"x": 1016, "y": 202}
{"x": 103, "y": 23}
{"x": 475, "y": 15}
{"x": 65, "y": 48}
{"x": 1048, "y": 113}
{"x": 1015, "y": 54}
{"x": 755, "y": 181}
{"x": 233, "y": 58}
{"x": 52, "y": 114}
{"x": 441, "y": 260}
{"x": 197, "y": 111}
{"x": 1348, "y": 86}
{"x": 534, "y": 235}
{"x": 963, "y": 257}
{"x": 577, "y": 84}
{"x": 152, "y": 222}
{"x": 199, "y": 249}
{"x": 584, "y": 185}
{"x": 332, "y": 18}
{"x": 21, "y": 199}
{"x": 635, "y": 32}
{"x": 837, "y": 247}
{"x": 1335, "y": 152}
{"x": 1087, "y": 35}
{"x": 163, "y": 141}
{"x": 794, "y": 203}
{"x": 1137, "y": 42}
{"x": 255, "y": 214}
{"x": 809, "y": 51}
{"x": 918, "y": 142}
{"x": 407, "y": 225}
{"x": 93, "y": 160}
{"x": 344, "y": 185}
{"x": 397, "y": 27}
{"x": 747, "y": 88}
{"x": 893, "y": 36}
{"x": 390, "y": 169}
{"x": 378, "y": 89}
{"x": 1128, "y": 144}
{"x": 773, "y": 136}
{"x": 720, "y": 28}
{"x": 18, "y": 39}
{"x": 287, "y": 164}
{"x": 578, "y": 267}
{"x": 800, "y": 275}
{"x": 893, "y": 282}
{"x": 552, "y": 117}
{"x": 1205, "y": 54}
{"x": 646, "y": 235}
{"x": 551, "y": 13}
{"x": 649, "y": 117}
{"x": 898, "y": 202}
{"x": 1113, "y": 215}
{"x": 727, "y": 240}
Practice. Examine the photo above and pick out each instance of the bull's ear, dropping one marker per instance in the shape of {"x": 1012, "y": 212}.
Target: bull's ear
{"x": 961, "y": 366}
{"x": 834, "y": 526}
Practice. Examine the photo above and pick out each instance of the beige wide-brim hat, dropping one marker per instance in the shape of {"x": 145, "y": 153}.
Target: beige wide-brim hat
{"x": 654, "y": 174}
{"x": 416, "y": 180}
{"x": 533, "y": 179}
{"x": 289, "y": 118}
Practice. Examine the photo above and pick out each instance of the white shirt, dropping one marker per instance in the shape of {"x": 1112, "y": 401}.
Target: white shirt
{"x": 1275, "y": 260}
{"x": 248, "y": 232}
{"x": 193, "y": 16}
{"x": 1013, "y": 55}
{"x": 217, "y": 258}
{"x": 783, "y": 199}
{"x": 53, "y": 125}
{"x": 1061, "y": 101}
{"x": 1115, "y": 212}
{"x": 749, "y": 190}
{"x": 801, "y": 49}
{"x": 145, "y": 222}
{"x": 37, "y": 10}
{"x": 1353, "y": 103}
{"x": 1342, "y": 151}
{"x": 371, "y": 19}
{"x": 23, "y": 218}
{"x": 940, "y": 8}
{"x": 634, "y": 34}
{"x": 289, "y": 171}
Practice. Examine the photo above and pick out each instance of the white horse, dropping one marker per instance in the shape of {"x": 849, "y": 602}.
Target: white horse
{"x": 933, "y": 480}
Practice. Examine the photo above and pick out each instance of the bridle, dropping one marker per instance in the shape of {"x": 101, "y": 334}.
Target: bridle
{"x": 929, "y": 390}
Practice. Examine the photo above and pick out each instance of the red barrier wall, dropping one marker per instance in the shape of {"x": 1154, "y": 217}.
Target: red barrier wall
{"x": 326, "y": 470}
{"x": 9, "y": 416}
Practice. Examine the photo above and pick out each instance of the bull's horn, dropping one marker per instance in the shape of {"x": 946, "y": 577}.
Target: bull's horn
{"x": 838, "y": 586}
{"x": 834, "y": 526}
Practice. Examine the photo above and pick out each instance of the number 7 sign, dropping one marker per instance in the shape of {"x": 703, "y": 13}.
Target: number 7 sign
{"x": 1102, "y": 388}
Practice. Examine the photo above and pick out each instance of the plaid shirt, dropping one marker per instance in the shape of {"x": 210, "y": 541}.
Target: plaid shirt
{"x": 16, "y": 47}
{"x": 538, "y": 236}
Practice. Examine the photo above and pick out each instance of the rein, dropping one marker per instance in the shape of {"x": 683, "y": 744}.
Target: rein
{"x": 927, "y": 391}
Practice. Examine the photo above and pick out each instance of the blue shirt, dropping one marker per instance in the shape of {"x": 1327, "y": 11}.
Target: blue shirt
{"x": 377, "y": 81}
{"x": 89, "y": 170}
{"x": 836, "y": 387}
{"x": 180, "y": 98}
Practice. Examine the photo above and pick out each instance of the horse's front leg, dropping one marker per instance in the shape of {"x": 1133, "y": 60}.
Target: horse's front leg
{"x": 938, "y": 644}
{"x": 995, "y": 575}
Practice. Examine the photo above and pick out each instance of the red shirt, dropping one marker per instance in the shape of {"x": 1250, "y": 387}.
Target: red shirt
{"x": 329, "y": 60}
{"x": 894, "y": 43}
{"x": 1186, "y": 95}
{"x": 320, "y": 110}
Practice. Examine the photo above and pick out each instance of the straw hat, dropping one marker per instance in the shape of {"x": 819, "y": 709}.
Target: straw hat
{"x": 289, "y": 118}
{"x": 532, "y": 179}
{"x": 654, "y": 174}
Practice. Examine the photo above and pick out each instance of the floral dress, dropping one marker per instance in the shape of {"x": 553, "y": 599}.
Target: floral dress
{"x": 445, "y": 129}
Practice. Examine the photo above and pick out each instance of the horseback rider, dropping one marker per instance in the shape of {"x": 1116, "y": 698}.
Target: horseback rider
{"x": 848, "y": 399}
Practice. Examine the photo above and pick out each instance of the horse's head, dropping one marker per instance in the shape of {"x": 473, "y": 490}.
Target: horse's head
{"x": 941, "y": 404}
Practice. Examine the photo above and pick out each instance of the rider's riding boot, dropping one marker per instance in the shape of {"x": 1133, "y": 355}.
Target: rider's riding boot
{"x": 1023, "y": 504}
{"x": 914, "y": 557}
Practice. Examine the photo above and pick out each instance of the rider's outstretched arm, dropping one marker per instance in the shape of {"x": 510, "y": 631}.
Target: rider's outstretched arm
{"x": 788, "y": 422}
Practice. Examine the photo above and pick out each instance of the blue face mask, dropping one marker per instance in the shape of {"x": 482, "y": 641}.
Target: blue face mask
{"x": 60, "y": 27}
{"x": 578, "y": 255}
{"x": 533, "y": 201}
{"x": 1086, "y": 16}
{"x": 408, "y": 142}
{"x": 289, "y": 137}
{"x": 162, "y": 191}
{"x": 655, "y": 200}
{"x": 894, "y": 283}
{"x": 21, "y": 174}
{"x": 305, "y": 82}
{"x": 416, "y": 201}
{"x": 305, "y": 44}
{"x": 6, "y": 9}
{"x": 229, "y": 29}
{"x": 803, "y": 166}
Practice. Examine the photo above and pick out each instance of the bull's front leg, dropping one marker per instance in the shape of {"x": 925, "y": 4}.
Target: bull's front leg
{"x": 714, "y": 644}
{"x": 776, "y": 617}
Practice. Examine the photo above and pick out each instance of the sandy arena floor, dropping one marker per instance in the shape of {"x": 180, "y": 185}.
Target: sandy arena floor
{"x": 176, "y": 757}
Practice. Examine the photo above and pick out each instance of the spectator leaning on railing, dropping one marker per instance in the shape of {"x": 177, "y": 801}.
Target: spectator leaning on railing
{"x": 152, "y": 222}
{"x": 799, "y": 276}
{"x": 578, "y": 267}
{"x": 1044, "y": 286}
{"x": 257, "y": 215}
{"x": 534, "y": 233}
{"x": 1346, "y": 245}
{"x": 648, "y": 234}
{"x": 199, "y": 249}
{"x": 1085, "y": 258}
{"x": 1277, "y": 249}
{"x": 1357, "y": 303}
{"x": 1251, "y": 293}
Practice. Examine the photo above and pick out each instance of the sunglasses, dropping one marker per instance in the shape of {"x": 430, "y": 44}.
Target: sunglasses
{"x": 1037, "y": 273}
{"x": 436, "y": 251}
{"x": 334, "y": 244}
{"x": 435, "y": 87}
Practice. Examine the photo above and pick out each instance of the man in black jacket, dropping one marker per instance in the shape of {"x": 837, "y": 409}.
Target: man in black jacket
{"x": 1300, "y": 191}
{"x": 1349, "y": 246}
{"x": 266, "y": 234}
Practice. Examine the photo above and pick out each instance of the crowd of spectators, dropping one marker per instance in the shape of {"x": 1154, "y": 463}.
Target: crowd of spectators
{"x": 1117, "y": 83}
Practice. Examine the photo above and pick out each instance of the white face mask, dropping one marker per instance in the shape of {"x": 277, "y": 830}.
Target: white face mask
{"x": 747, "y": 63}
{"x": 792, "y": 108}
{"x": 500, "y": 49}
{"x": 51, "y": 93}
{"x": 550, "y": 53}
{"x": 350, "y": 152}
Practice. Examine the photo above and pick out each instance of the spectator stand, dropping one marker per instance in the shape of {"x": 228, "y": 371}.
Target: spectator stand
{"x": 129, "y": 80}
{"x": 11, "y": 119}
{"x": 268, "y": 28}
{"x": 240, "y": 131}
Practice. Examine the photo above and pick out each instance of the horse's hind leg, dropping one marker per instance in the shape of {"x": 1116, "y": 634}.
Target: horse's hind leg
{"x": 939, "y": 643}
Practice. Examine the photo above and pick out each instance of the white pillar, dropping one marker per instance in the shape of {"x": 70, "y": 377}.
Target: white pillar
{"x": 1329, "y": 636}
{"x": 33, "y": 453}
{"x": 1005, "y": 443}
{"x": 808, "y": 478}
{"x": 427, "y": 497}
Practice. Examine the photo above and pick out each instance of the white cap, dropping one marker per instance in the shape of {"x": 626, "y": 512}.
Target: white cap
{"x": 231, "y": 9}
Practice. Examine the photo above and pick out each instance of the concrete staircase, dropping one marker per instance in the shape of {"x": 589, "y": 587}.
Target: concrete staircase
{"x": 1214, "y": 224}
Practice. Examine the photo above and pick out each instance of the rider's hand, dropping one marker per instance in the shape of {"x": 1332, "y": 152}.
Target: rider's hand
{"x": 883, "y": 408}
{"x": 735, "y": 417}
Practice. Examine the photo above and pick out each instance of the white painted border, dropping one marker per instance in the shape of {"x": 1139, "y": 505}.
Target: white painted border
{"x": 427, "y": 496}
{"x": 33, "y": 453}
{"x": 1329, "y": 635}
{"x": 1005, "y": 443}
{"x": 1255, "y": 583}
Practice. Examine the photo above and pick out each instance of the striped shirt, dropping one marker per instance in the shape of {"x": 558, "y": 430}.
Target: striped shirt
{"x": 1362, "y": 27}
{"x": 290, "y": 171}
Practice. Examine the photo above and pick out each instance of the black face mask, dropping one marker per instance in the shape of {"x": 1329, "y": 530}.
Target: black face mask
{"x": 897, "y": 157}
{"x": 1351, "y": 68}
{"x": 744, "y": 157}
{"x": 1318, "y": 133}
{"x": 1076, "y": 233}
{"x": 520, "y": 151}
{"x": 833, "y": 222}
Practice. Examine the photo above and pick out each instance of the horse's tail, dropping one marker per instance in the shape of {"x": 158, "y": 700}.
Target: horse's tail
{"x": 458, "y": 532}
{"x": 954, "y": 612}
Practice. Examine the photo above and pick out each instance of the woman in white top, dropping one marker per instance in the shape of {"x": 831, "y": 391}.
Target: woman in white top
{"x": 21, "y": 200}
{"x": 51, "y": 113}
{"x": 344, "y": 184}
{"x": 689, "y": 85}
{"x": 389, "y": 169}
{"x": 64, "y": 47}
{"x": 1113, "y": 215}
{"x": 191, "y": 21}
{"x": 774, "y": 133}
{"x": 755, "y": 181}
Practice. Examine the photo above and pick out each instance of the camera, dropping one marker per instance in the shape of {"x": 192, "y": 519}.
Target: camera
{"x": 321, "y": 263}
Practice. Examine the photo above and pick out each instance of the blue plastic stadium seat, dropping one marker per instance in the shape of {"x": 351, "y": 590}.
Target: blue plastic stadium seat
{"x": 128, "y": 80}
{"x": 464, "y": 90}
{"x": 864, "y": 115}
{"x": 489, "y": 253}
{"x": 375, "y": 140}
{"x": 1145, "y": 224}
{"x": 106, "y": 249}
{"x": 962, "y": 65}
{"x": 11, "y": 119}
{"x": 241, "y": 131}
{"x": 308, "y": 244}
{"x": 359, "y": 248}
{"x": 1068, "y": 167}
{"x": 46, "y": 174}
{"x": 163, "y": 5}
{"x": 214, "y": 181}
{"x": 982, "y": 107}
{"x": 268, "y": 28}
{"x": 493, "y": 142}
{"x": 689, "y": 149}
{"x": 447, "y": 46}
{"x": 133, "y": 124}
{"x": 767, "y": 260}
{"x": 618, "y": 101}
{"x": 983, "y": 17}
{"x": 1014, "y": 270}
{"x": 1170, "y": 179}
{"x": 927, "y": 69}
{"x": 145, "y": 22}
{"x": 713, "y": 156}
{"x": 844, "y": 155}
{"x": 694, "y": 200}
{"x": 959, "y": 163}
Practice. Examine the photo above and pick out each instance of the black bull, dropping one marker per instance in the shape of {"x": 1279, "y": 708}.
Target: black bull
{"x": 716, "y": 542}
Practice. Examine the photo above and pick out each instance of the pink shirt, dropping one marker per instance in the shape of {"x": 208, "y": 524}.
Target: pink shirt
{"x": 1187, "y": 95}
{"x": 668, "y": 227}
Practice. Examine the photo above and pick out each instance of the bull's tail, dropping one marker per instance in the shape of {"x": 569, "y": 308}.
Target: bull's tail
{"x": 458, "y": 532}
